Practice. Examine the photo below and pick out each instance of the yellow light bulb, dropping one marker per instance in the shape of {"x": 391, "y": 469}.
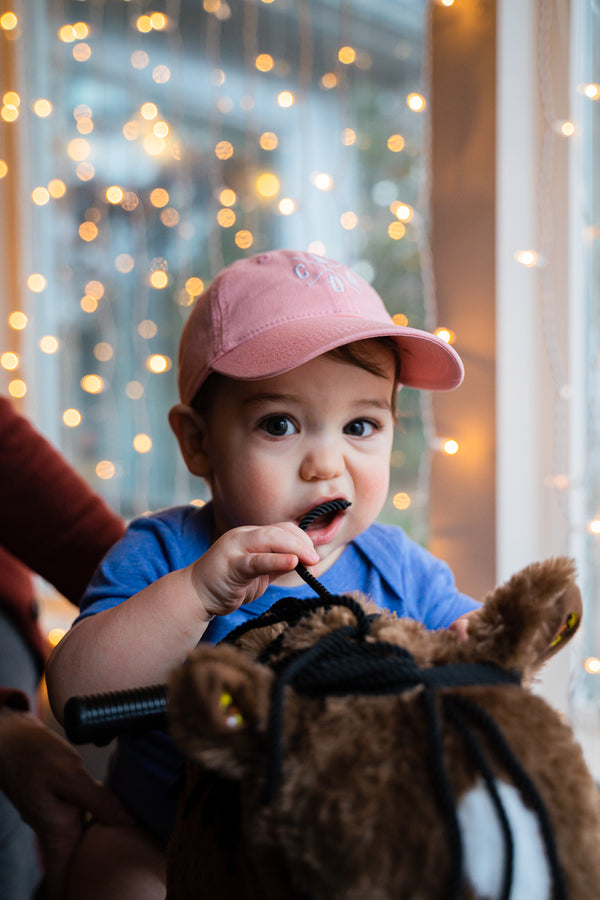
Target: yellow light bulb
{"x": 446, "y": 335}
{"x": 17, "y": 388}
{"x": 286, "y": 206}
{"x": 416, "y": 102}
{"x": 159, "y": 279}
{"x": 142, "y": 443}
{"x": 114, "y": 194}
{"x": 244, "y": 239}
{"x": 8, "y": 21}
{"x": 224, "y": 150}
{"x": 267, "y": 185}
{"x": 36, "y": 283}
{"x": 158, "y": 363}
{"x": 401, "y": 500}
{"x": 347, "y": 55}
{"x": 264, "y": 62}
{"x": 194, "y": 286}
{"x": 92, "y": 384}
{"x": 450, "y": 447}
{"x": 159, "y": 197}
{"x": 9, "y": 361}
{"x": 17, "y": 320}
{"x": 105, "y": 469}
{"x": 71, "y": 418}
{"x": 227, "y": 197}
{"x": 42, "y": 108}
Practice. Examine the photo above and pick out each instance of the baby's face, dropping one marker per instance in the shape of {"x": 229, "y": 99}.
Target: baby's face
{"x": 280, "y": 446}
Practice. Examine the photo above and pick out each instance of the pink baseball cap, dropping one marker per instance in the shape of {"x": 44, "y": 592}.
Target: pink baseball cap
{"x": 270, "y": 313}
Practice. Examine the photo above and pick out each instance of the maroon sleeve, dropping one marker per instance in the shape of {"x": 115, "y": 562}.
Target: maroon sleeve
{"x": 51, "y": 519}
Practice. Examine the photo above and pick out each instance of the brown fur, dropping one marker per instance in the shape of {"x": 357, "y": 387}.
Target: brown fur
{"x": 354, "y": 816}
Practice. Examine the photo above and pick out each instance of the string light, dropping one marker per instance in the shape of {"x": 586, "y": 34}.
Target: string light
{"x": 134, "y": 390}
{"x": 142, "y": 443}
{"x": 264, "y": 62}
{"x": 8, "y": 21}
{"x": 17, "y": 388}
{"x": 194, "y": 286}
{"x": 401, "y": 500}
{"x": 402, "y": 211}
{"x": 268, "y": 140}
{"x": 446, "y": 335}
{"x": 36, "y": 283}
{"x": 591, "y": 91}
{"x": 92, "y": 384}
{"x": 267, "y": 184}
{"x": 42, "y": 108}
{"x": 226, "y": 217}
{"x": 450, "y": 447}
{"x": 527, "y": 258}
{"x": 286, "y": 206}
{"x": 348, "y": 220}
{"x": 227, "y": 197}
{"x": 71, "y": 417}
{"x": 244, "y": 239}
{"x": 105, "y": 469}
{"x": 9, "y": 361}
{"x": 396, "y": 231}
{"x": 49, "y": 344}
{"x": 57, "y": 188}
{"x": 17, "y": 320}
{"x": 224, "y": 150}
{"x": 322, "y": 181}
{"x": 347, "y": 55}
{"x": 157, "y": 363}
{"x": 416, "y": 102}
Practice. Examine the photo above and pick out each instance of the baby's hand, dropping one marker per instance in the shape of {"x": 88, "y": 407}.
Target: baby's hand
{"x": 242, "y": 563}
{"x": 461, "y": 625}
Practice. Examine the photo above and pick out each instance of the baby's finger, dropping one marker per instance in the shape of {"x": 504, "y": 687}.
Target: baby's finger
{"x": 272, "y": 564}
{"x": 284, "y": 537}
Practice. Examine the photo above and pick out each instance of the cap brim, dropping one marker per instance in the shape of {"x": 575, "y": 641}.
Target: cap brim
{"x": 426, "y": 361}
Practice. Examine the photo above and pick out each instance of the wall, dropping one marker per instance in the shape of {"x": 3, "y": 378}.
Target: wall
{"x": 463, "y": 493}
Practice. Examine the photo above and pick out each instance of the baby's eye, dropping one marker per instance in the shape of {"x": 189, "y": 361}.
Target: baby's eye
{"x": 360, "y": 428}
{"x": 278, "y": 426}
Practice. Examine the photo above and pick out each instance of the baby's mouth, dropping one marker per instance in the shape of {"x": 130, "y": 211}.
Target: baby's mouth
{"x": 323, "y": 514}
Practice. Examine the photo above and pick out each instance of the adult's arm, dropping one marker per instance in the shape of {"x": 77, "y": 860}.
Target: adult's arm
{"x": 51, "y": 519}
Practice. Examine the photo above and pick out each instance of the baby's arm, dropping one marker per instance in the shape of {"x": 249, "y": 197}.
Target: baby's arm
{"x": 140, "y": 640}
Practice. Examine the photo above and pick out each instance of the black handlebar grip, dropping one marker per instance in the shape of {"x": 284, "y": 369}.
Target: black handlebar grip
{"x": 98, "y": 718}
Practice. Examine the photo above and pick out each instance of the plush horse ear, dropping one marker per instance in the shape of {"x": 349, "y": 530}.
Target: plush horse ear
{"x": 531, "y": 617}
{"x": 218, "y": 707}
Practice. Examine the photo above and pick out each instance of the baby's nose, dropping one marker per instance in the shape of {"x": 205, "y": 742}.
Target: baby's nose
{"x": 322, "y": 462}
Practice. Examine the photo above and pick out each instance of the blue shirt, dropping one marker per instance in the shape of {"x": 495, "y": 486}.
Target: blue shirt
{"x": 383, "y": 562}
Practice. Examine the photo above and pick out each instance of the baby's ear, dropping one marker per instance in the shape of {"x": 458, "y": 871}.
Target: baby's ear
{"x": 218, "y": 708}
{"x": 190, "y": 430}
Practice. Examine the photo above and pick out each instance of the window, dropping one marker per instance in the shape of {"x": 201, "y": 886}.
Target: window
{"x": 156, "y": 149}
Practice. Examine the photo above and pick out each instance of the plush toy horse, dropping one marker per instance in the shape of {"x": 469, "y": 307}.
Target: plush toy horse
{"x": 336, "y": 751}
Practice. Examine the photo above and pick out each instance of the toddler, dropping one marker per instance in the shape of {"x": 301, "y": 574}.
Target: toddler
{"x": 289, "y": 366}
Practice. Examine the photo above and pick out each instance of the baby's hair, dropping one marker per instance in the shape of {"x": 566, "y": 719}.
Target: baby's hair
{"x": 357, "y": 353}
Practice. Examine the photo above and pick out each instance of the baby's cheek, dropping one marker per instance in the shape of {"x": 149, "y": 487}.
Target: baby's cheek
{"x": 373, "y": 488}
